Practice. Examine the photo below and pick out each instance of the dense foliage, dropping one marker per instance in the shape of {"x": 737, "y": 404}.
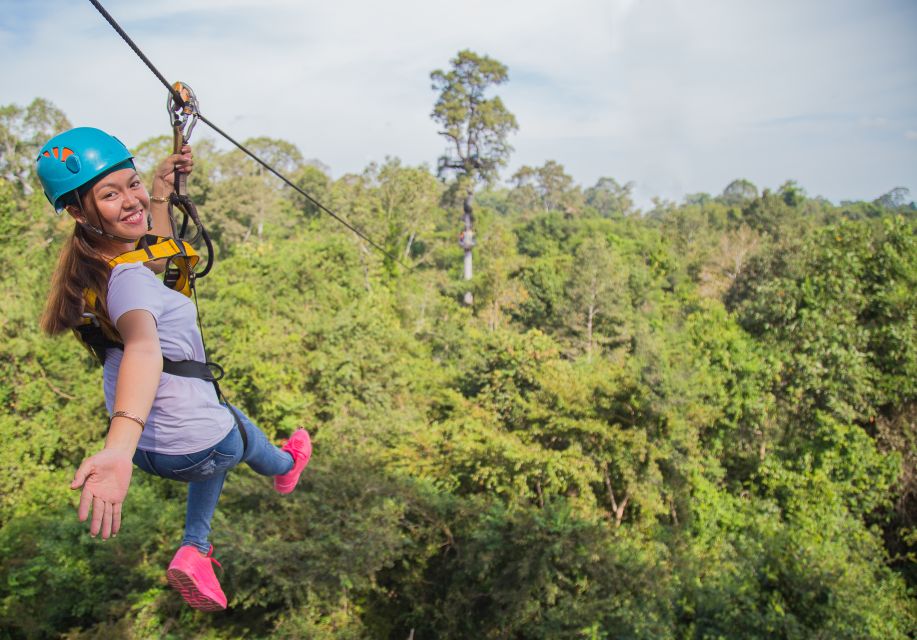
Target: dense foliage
{"x": 696, "y": 421}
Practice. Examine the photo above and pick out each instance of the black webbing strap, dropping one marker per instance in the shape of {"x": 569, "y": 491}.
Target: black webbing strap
{"x": 94, "y": 338}
{"x": 212, "y": 372}
{"x": 193, "y": 369}
{"x": 205, "y": 371}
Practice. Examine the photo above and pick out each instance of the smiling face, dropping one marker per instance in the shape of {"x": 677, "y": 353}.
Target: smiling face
{"x": 118, "y": 205}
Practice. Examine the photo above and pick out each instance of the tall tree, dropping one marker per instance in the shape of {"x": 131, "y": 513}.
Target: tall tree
{"x": 597, "y": 294}
{"x": 476, "y": 128}
{"x": 897, "y": 198}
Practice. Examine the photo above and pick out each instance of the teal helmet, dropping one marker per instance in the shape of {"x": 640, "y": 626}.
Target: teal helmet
{"x": 76, "y": 158}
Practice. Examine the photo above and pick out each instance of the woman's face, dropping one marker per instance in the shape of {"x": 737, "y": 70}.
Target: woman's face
{"x": 120, "y": 202}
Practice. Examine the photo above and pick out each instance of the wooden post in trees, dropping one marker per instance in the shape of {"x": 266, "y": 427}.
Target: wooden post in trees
{"x": 476, "y": 128}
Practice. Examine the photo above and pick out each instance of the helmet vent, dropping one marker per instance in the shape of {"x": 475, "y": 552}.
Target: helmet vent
{"x": 60, "y": 154}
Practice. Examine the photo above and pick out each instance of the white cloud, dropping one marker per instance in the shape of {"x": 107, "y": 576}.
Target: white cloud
{"x": 680, "y": 97}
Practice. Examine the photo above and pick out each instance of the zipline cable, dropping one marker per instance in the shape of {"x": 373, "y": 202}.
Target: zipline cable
{"x": 178, "y": 99}
{"x": 301, "y": 192}
{"x": 136, "y": 49}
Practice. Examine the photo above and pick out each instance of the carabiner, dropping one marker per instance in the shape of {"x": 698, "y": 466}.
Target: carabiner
{"x": 182, "y": 117}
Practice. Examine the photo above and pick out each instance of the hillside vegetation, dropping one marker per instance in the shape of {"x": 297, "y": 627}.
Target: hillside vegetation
{"x": 695, "y": 421}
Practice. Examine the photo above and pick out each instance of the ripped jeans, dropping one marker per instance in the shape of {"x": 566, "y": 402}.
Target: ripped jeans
{"x": 205, "y": 472}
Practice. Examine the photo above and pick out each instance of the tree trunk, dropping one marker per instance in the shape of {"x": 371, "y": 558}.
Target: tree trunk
{"x": 364, "y": 261}
{"x": 407, "y": 248}
{"x": 468, "y": 242}
{"x": 616, "y": 507}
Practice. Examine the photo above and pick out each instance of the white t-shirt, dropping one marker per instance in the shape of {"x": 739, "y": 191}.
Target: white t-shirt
{"x": 186, "y": 416}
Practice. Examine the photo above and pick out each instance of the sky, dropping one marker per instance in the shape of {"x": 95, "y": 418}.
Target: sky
{"x": 677, "y": 96}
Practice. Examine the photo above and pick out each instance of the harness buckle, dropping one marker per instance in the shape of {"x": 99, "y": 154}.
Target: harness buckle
{"x": 92, "y": 319}
{"x": 216, "y": 371}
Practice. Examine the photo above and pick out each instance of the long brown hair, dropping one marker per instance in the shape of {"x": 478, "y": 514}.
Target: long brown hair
{"x": 79, "y": 267}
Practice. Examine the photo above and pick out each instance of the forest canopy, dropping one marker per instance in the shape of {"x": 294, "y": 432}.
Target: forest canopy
{"x": 695, "y": 420}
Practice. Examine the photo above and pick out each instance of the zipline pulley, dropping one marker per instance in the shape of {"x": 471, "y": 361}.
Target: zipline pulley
{"x": 182, "y": 118}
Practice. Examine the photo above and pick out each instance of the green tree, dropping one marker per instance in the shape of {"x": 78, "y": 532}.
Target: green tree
{"x": 792, "y": 194}
{"x": 150, "y": 152}
{"x": 610, "y": 198}
{"x": 896, "y": 199}
{"x": 476, "y": 129}
{"x": 789, "y": 562}
{"x": 246, "y": 202}
{"x": 393, "y": 204}
{"x": 549, "y": 186}
{"x": 598, "y": 295}
{"x": 738, "y": 192}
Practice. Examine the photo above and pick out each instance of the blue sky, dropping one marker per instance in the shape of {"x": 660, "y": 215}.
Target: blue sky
{"x": 679, "y": 97}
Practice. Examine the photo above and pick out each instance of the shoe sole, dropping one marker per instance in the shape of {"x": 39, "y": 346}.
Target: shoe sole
{"x": 182, "y": 582}
{"x": 285, "y": 491}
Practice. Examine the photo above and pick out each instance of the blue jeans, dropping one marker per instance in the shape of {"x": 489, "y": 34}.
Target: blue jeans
{"x": 205, "y": 472}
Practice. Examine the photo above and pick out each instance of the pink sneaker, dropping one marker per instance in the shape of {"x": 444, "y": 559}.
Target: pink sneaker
{"x": 300, "y": 447}
{"x": 191, "y": 574}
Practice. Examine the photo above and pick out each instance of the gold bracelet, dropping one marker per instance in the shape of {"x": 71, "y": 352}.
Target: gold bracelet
{"x": 159, "y": 199}
{"x": 129, "y": 416}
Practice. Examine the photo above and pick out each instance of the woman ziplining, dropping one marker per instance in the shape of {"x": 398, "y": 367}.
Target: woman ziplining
{"x": 167, "y": 415}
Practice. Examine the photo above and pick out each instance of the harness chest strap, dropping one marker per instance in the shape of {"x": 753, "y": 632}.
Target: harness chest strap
{"x": 184, "y": 257}
{"x": 150, "y": 247}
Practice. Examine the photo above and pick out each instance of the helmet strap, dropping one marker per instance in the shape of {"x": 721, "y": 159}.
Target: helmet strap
{"x": 100, "y": 230}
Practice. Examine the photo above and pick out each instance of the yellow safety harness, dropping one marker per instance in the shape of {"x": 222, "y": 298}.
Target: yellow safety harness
{"x": 180, "y": 277}
{"x": 155, "y": 248}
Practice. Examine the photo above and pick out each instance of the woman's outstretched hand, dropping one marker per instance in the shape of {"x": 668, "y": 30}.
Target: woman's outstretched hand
{"x": 105, "y": 478}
